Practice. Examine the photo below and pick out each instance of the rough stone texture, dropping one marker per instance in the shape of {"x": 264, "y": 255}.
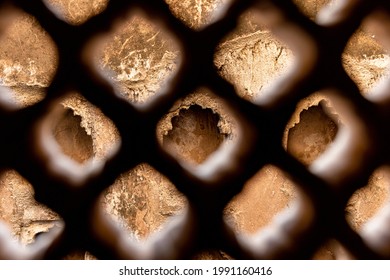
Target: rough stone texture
{"x": 28, "y": 59}
{"x": 18, "y": 209}
{"x": 142, "y": 200}
{"x": 90, "y": 137}
{"x": 251, "y": 58}
{"x": 105, "y": 136}
{"x": 140, "y": 58}
{"x": 72, "y": 138}
{"x": 311, "y": 7}
{"x": 218, "y": 123}
{"x": 194, "y": 134}
{"x": 312, "y": 135}
{"x": 197, "y": 13}
{"x": 367, "y": 72}
{"x": 204, "y": 98}
{"x": 76, "y": 11}
{"x": 267, "y": 193}
{"x": 366, "y": 202}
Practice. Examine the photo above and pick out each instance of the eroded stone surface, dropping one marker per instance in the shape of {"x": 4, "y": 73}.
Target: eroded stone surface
{"x": 77, "y": 11}
{"x": 28, "y": 59}
{"x": 19, "y": 210}
{"x": 251, "y": 58}
{"x": 367, "y": 72}
{"x": 195, "y": 134}
{"x": 203, "y": 97}
{"x": 142, "y": 200}
{"x": 104, "y": 134}
{"x": 311, "y": 7}
{"x": 140, "y": 57}
{"x": 308, "y": 139}
{"x": 72, "y": 138}
{"x": 367, "y": 201}
{"x": 197, "y": 13}
{"x": 265, "y": 195}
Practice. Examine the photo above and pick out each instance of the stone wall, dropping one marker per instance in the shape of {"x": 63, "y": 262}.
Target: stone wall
{"x": 140, "y": 58}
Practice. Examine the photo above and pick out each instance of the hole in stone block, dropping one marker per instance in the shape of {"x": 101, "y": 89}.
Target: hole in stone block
{"x": 198, "y": 131}
{"x": 82, "y": 131}
{"x": 72, "y": 137}
{"x": 311, "y": 130}
{"x": 76, "y": 12}
{"x": 139, "y": 57}
{"x": 28, "y": 58}
{"x": 141, "y": 201}
{"x": 75, "y": 138}
{"x": 105, "y": 136}
{"x": 347, "y": 154}
{"x": 194, "y": 135}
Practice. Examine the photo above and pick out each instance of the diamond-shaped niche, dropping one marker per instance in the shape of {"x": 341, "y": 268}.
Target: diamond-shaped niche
{"x": 263, "y": 197}
{"x": 72, "y": 137}
{"x": 141, "y": 201}
{"x": 75, "y": 138}
{"x": 194, "y": 135}
{"x": 83, "y": 131}
{"x": 270, "y": 212}
{"x": 311, "y": 129}
{"x": 251, "y": 57}
{"x": 28, "y": 58}
{"x": 139, "y": 57}
{"x": 196, "y": 127}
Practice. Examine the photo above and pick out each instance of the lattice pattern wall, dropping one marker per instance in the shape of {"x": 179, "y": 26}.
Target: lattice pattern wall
{"x": 325, "y": 186}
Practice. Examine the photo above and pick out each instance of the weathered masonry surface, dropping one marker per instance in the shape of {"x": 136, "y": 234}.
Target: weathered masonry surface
{"x": 148, "y": 143}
